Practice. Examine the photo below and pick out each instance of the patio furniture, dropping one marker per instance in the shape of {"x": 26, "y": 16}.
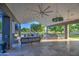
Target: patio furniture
{"x": 30, "y": 39}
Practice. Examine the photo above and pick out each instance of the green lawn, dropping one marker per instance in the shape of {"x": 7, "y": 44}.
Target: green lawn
{"x": 74, "y": 36}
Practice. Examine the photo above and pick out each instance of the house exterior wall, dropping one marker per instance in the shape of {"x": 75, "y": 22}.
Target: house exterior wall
{"x": 6, "y": 11}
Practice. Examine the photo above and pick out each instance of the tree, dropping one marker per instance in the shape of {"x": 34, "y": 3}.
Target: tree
{"x": 60, "y": 29}
{"x": 56, "y": 28}
{"x": 37, "y": 28}
{"x": 72, "y": 27}
{"x": 25, "y": 29}
{"x": 53, "y": 28}
{"x": 77, "y": 27}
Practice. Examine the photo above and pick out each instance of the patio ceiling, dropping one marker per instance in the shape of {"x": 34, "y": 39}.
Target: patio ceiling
{"x": 23, "y": 12}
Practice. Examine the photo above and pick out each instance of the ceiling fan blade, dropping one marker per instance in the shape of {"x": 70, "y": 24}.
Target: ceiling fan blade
{"x": 46, "y": 14}
{"x": 48, "y": 11}
{"x": 47, "y": 8}
{"x": 35, "y": 11}
{"x": 39, "y": 6}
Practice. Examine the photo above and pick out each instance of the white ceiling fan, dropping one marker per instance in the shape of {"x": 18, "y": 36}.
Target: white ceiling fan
{"x": 43, "y": 11}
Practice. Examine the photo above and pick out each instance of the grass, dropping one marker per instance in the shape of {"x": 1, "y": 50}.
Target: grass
{"x": 74, "y": 36}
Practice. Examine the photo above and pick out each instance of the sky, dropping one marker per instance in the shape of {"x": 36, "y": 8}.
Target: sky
{"x": 27, "y": 25}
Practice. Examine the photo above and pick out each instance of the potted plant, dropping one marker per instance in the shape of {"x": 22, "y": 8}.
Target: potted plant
{"x": 3, "y": 47}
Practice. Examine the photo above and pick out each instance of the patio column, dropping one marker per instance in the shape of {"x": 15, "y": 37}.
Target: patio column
{"x": 66, "y": 31}
{"x": 66, "y": 37}
{"x": 11, "y": 32}
{"x": 46, "y": 29}
{"x": 19, "y": 29}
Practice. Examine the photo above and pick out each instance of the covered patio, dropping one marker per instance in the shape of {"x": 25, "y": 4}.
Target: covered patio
{"x": 43, "y": 13}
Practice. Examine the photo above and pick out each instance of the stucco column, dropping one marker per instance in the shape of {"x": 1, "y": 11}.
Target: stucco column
{"x": 11, "y": 33}
{"x": 46, "y": 32}
{"x": 46, "y": 29}
{"x": 67, "y": 37}
{"x": 19, "y": 29}
{"x": 66, "y": 31}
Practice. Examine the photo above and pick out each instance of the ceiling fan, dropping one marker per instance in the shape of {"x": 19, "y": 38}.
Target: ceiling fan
{"x": 43, "y": 11}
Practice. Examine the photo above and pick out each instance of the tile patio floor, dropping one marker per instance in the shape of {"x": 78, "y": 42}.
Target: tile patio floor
{"x": 45, "y": 49}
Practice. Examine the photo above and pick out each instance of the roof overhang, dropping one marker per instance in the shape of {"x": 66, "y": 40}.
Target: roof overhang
{"x": 65, "y": 22}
